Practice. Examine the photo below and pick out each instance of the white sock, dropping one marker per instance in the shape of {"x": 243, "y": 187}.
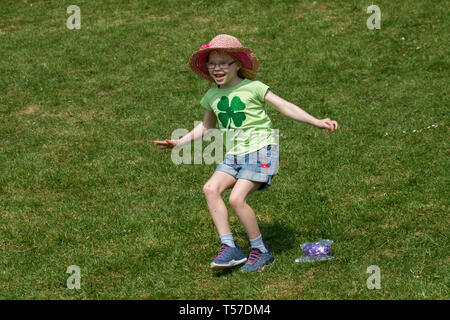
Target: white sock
{"x": 258, "y": 243}
{"x": 228, "y": 240}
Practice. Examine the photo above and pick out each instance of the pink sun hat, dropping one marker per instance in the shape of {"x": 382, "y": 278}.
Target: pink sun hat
{"x": 229, "y": 45}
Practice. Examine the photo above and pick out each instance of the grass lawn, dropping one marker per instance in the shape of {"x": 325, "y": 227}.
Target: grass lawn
{"x": 82, "y": 184}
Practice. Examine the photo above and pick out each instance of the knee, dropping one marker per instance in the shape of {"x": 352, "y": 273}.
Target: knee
{"x": 236, "y": 201}
{"x": 209, "y": 190}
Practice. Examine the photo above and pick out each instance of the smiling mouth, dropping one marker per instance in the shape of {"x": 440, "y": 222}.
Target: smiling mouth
{"x": 219, "y": 77}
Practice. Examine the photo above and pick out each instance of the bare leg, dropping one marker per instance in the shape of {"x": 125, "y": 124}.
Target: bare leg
{"x": 213, "y": 188}
{"x": 246, "y": 215}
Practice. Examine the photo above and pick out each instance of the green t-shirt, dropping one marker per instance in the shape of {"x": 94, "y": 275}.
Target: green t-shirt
{"x": 241, "y": 115}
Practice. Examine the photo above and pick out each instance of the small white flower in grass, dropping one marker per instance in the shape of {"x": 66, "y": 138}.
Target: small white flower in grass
{"x": 403, "y": 38}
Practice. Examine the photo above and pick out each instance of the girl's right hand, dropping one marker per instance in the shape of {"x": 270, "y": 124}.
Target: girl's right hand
{"x": 330, "y": 125}
{"x": 167, "y": 144}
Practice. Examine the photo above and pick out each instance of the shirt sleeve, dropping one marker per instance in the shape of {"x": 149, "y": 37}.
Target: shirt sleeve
{"x": 204, "y": 102}
{"x": 261, "y": 90}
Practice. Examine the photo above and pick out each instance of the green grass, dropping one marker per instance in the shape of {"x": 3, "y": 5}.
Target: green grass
{"x": 82, "y": 184}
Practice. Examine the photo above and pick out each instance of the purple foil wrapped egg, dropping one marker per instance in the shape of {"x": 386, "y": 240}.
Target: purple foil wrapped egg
{"x": 316, "y": 249}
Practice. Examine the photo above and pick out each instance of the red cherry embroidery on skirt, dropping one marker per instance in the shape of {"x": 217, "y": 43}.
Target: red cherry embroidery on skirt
{"x": 264, "y": 165}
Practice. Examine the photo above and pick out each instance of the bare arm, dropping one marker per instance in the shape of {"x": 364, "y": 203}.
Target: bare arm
{"x": 292, "y": 111}
{"x": 209, "y": 122}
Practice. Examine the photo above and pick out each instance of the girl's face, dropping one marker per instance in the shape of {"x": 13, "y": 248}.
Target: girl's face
{"x": 223, "y": 68}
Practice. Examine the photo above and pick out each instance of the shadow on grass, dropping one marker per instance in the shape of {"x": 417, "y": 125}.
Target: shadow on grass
{"x": 224, "y": 272}
{"x": 279, "y": 236}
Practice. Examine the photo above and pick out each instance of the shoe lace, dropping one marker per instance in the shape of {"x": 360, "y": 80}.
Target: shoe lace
{"x": 223, "y": 248}
{"x": 254, "y": 255}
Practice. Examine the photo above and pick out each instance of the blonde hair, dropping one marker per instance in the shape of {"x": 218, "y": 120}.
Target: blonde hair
{"x": 246, "y": 73}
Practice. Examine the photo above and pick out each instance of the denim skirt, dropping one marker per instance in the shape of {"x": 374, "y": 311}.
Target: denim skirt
{"x": 258, "y": 166}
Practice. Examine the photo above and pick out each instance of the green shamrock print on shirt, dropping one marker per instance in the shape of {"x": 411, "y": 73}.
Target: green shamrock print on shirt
{"x": 230, "y": 111}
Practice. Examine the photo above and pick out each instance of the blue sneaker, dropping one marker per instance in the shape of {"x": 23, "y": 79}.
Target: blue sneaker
{"x": 258, "y": 260}
{"x": 228, "y": 257}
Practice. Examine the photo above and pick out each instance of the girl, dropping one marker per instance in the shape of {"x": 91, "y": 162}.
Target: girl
{"x": 251, "y": 161}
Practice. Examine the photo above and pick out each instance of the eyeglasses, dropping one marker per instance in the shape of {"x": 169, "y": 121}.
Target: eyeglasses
{"x": 224, "y": 65}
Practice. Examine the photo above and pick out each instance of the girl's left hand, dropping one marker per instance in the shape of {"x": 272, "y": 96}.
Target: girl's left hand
{"x": 328, "y": 124}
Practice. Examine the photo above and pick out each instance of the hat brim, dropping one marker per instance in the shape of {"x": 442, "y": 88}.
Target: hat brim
{"x": 197, "y": 62}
